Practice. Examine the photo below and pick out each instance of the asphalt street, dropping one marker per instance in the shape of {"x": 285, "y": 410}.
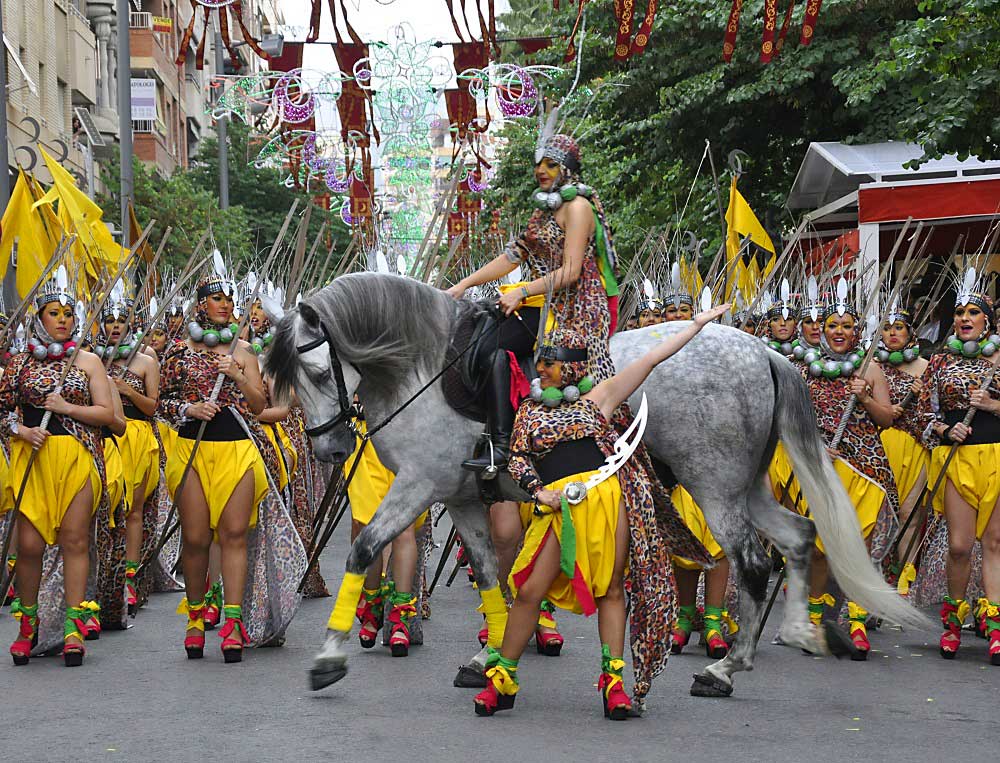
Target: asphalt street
{"x": 137, "y": 697}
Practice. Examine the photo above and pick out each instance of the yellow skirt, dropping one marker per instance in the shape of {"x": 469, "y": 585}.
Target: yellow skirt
{"x": 61, "y": 469}
{"x": 695, "y": 520}
{"x": 168, "y": 436}
{"x": 6, "y": 497}
{"x": 595, "y": 521}
{"x": 287, "y": 450}
{"x": 780, "y": 473}
{"x": 370, "y": 484}
{"x": 114, "y": 473}
{"x": 141, "y": 459}
{"x": 866, "y": 497}
{"x": 907, "y": 459}
{"x": 219, "y": 467}
{"x": 975, "y": 473}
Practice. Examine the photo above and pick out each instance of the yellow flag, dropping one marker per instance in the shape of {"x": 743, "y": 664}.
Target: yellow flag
{"x": 741, "y": 222}
{"x": 95, "y": 250}
{"x": 24, "y": 224}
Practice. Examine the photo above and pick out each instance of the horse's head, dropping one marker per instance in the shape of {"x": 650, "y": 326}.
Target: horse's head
{"x": 303, "y": 357}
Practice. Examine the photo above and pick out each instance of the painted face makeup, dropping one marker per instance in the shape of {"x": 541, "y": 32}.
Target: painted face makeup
{"x": 895, "y": 336}
{"x": 840, "y": 332}
{"x": 549, "y": 373}
{"x": 547, "y": 172}
{"x": 970, "y": 322}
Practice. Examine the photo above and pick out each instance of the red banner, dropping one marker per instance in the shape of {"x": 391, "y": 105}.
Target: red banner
{"x": 461, "y": 110}
{"x": 770, "y": 24}
{"x": 361, "y": 201}
{"x": 929, "y": 201}
{"x": 624, "y": 13}
{"x": 809, "y": 21}
{"x": 290, "y": 58}
{"x": 456, "y": 225}
{"x": 351, "y": 104}
{"x": 645, "y": 30}
{"x": 531, "y": 45}
{"x": 571, "y": 44}
{"x": 732, "y": 27}
{"x": 784, "y": 27}
{"x": 470, "y": 55}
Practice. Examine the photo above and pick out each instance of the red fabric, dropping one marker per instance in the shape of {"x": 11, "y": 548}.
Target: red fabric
{"x": 290, "y": 58}
{"x": 531, "y": 45}
{"x": 770, "y": 24}
{"x": 624, "y": 14}
{"x": 933, "y": 201}
{"x": 809, "y": 21}
{"x": 832, "y": 254}
{"x": 583, "y": 595}
{"x": 784, "y": 27}
{"x": 645, "y": 29}
{"x": 732, "y": 27}
{"x": 613, "y": 309}
{"x": 520, "y": 387}
{"x": 461, "y": 109}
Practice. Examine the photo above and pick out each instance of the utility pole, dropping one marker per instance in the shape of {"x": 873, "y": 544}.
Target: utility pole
{"x": 221, "y": 122}
{"x": 4, "y": 158}
{"x": 125, "y": 112}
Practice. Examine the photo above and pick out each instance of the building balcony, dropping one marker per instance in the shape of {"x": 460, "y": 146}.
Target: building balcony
{"x": 151, "y": 145}
{"x": 149, "y": 50}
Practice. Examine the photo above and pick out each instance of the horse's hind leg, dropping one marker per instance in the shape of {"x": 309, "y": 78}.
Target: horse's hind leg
{"x": 730, "y": 522}
{"x": 471, "y": 522}
{"x": 793, "y": 535}
{"x": 398, "y": 510}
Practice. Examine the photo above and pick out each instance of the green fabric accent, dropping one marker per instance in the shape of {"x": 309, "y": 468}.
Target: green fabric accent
{"x": 131, "y": 567}
{"x": 713, "y": 620}
{"x": 817, "y": 607}
{"x": 547, "y": 606}
{"x": 606, "y": 660}
{"x": 685, "y": 617}
{"x": 401, "y": 597}
{"x": 510, "y": 666}
{"x": 991, "y": 623}
{"x": 73, "y": 614}
{"x": 610, "y": 282}
{"x": 214, "y": 594}
{"x": 387, "y": 589}
{"x": 233, "y": 611}
{"x": 567, "y": 543}
{"x": 16, "y": 607}
{"x": 492, "y": 657}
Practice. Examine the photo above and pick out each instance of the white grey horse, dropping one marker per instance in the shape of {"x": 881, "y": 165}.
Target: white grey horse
{"x": 717, "y": 408}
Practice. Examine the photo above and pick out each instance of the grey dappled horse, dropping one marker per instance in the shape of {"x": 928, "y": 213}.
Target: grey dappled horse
{"x": 717, "y": 408}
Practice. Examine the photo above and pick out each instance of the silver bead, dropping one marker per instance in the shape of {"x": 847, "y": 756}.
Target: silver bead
{"x": 553, "y": 201}
{"x": 989, "y": 348}
{"x": 846, "y": 368}
{"x": 883, "y": 356}
{"x": 571, "y": 393}
{"x": 226, "y": 335}
{"x": 195, "y": 331}
{"x": 995, "y": 339}
{"x": 55, "y": 349}
{"x": 541, "y": 199}
{"x": 210, "y": 340}
{"x": 786, "y": 348}
{"x": 854, "y": 358}
{"x": 798, "y": 352}
{"x": 815, "y": 368}
{"x": 909, "y": 354}
{"x": 970, "y": 348}
{"x": 99, "y": 350}
{"x": 39, "y": 352}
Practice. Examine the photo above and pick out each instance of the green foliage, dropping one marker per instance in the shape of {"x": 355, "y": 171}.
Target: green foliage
{"x": 876, "y": 70}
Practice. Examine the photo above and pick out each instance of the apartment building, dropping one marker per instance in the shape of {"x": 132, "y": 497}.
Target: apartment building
{"x": 54, "y": 62}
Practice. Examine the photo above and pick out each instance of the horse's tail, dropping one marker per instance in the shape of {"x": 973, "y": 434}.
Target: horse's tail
{"x": 829, "y": 504}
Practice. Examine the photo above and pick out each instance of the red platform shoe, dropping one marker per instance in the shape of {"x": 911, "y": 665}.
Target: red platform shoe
{"x": 613, "y": 697}
{"x": 501, "y": 690}
{"x": 953, "y": 612}
{"x": 403, "y": 611}
{"x": 27, "y": 635}
{"x": 194, "y": 637}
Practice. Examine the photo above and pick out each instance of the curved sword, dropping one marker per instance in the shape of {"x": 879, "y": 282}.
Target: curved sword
{"x": 625, "y": 446}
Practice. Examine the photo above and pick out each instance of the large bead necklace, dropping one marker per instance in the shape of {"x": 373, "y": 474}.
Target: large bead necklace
{"x": 973, "y": 348}
{"x": 212, "y": 335}
{"x": 108, "y": 351}
{"x": 897, "y": 357}
{"x": 786, "y": 348}
{"x": 553, "y": 396}
{"x": 827, "y": 364}
{"x": 52, "y": 351}
{"x": 259, "y": 344}
{"x": 552, "y": 200}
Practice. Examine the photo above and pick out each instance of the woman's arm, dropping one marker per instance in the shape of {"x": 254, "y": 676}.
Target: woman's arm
{"x": 275, "y": 413}
{"x": 121, "y": 423}
{"x": 873, "y": 393}
{"x": 150, "y": 373}
{"x": 493, "y": 270}
{"x": 612, "y": 392}
{"x": 100, "y": 412}
{"x": 242, "y": 368}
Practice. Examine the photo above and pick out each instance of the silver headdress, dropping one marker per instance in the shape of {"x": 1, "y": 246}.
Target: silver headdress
{"x": 56, "y": 290}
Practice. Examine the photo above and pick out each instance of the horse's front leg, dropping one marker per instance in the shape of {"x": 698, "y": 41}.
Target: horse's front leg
{"x": 405, "y": 501}
{"x": 471, "y": 522}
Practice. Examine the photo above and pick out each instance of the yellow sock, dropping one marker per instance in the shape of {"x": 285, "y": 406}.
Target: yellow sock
{"x": 342, "y": 616}
{"x": 495, "y": 609}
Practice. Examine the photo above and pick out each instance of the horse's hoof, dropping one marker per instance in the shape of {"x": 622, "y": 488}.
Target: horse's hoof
{"x": 838, "y": 643}
{"x": 323, "y": 675}
{"x": 470, "y": 677}
{"x": 710, "y": 686}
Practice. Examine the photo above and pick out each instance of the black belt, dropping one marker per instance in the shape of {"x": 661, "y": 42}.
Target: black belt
{"x": 568, "y": 458}
{"x": 223, "y": 428}
{"x": 131, "y": 412}
{"x": 985, "y": 427}
{"x": 33, "y": 418}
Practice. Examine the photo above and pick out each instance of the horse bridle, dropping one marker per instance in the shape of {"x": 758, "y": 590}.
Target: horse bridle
{"x": 346, "y": 411}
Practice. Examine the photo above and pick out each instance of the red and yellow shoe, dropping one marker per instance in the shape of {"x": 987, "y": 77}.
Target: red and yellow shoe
{"x": 616, "y": 703}
{"x": 711, "y": 633}
{"x": 680, "y": 634}
{"x": 857, "y": 616}
{"x": 370, "y": 614}
{"x": 233, "y": 633}
{"x": 501, "y": 690}
{"x": 991, "y": 616}
{"x": 403, "y": 611}
{"x": 953, "y": 612}
{"x": 131, "y": 599}
{"x": 549, "y": 641}
{"x": 93, "y": 620}
{"x": 213, "y": 605}
{"x": 194, "y": 636}
{"x": 74, "y": 632}
{"x": 27, "y": 634}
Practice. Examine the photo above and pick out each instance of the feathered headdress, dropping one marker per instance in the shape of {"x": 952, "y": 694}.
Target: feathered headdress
{"x": 813, "y": 306}
{"x": 678, "y": 293}
{"x": 217, "y": 280}
{"x": 840, "y": 305}
{"x": 971, "y": 288}
{"x": 783, "y": 306}
{"x": 56, "y": 289}
{"x": 650, "y": 297}
{"x": 117, "y": 305}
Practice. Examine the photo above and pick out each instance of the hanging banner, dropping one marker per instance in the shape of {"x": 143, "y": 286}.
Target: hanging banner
{"x": 770, "y": 24}
{"x": 784, "y": 27}
{"x": 144, "y": 99}
{"x": 809, "y": 21}
{"x": 645, "y": 30}
{"x": 732, "y": 27}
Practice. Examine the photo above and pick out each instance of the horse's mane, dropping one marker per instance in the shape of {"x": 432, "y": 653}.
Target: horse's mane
{"x": 388, "y": 327}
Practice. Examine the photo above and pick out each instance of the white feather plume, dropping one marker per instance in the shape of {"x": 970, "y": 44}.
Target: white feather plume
{"x": 272, "y": 307}
{"x": 401, "y": 265}
{"x": 675, "y": 276}
{"x": 381, "y": 263}
{"x": 153, "y": 305}
{"x": 647, "y": 288}
{"x": 218, "y": 264}
{"x": 514, "y": 276}
{"x": 251, "y": 282}
{"x": 62, "y": 283}
{"x": 812, "y": 289}
{"x": 706, "y": 299}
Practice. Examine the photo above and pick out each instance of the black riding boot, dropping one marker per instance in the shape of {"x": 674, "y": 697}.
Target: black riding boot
{"x": 500, "y": 417}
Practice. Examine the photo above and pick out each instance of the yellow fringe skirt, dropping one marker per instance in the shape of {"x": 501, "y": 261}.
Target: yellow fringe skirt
{"x": 866, "y": 496}
{"x": 6, "y": 497}
{"x": 286, "y": 450}
{"x": 780, "y": 473}
{"x": 693, "y": 517}
{"x": 908, "y": 460}
{"x": 219, "y": 467}
{"x": 168, "y": 436}
{"x": 975, "y": 473}
{"x": 595, "y": 521}
{"x": 114, "y": 475}
{"x": 370, "y": 484}
{"x": 61, "y": 470}
{"x": 141, "y": 459}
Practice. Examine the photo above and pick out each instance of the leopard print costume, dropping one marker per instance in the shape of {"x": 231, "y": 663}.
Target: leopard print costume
{"x": 861, "y": 447}
{"x": 582, "y": 307}
{"x": 912, "y": 420}
{"x": 948, "y": 381}
{"x": 655, "y": 529}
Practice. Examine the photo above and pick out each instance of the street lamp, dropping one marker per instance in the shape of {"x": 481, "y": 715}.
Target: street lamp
{"x": 272, "y": 45}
